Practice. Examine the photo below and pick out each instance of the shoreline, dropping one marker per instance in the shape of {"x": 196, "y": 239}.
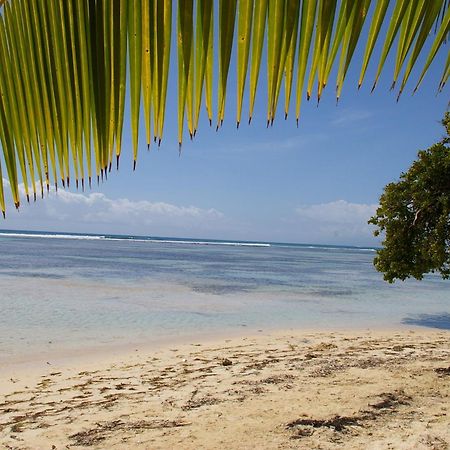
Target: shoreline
{"x": 108, "y": 352}
{"x": 274, "y": 389}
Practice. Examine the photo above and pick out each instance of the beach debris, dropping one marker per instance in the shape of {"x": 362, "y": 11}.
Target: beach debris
{"x": 337, "y": 423}
{"x": 202, "y": 401}
{"x": 388, "y": 403}
{"x": 435, "y": 442}
{"x": 391, "y": 400}
{"x": 102, "y": 430}
{"x": 278, "y": 379}
{"x": 324, "y": 346}
{"x": 17, "y": 427}
{"x": 442, "y": 371}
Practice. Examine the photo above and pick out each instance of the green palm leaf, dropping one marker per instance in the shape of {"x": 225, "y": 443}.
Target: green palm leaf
{"x": 308, "y": 15}
{"x": 209, "y": 70}
{"x": 147, "y": 51}
{"x": 135, "y": 44}
{"x": 440, "y": 38}
{"x": 429, "y": 17}
{"x": 64, "y": 80}
{"x": 227, "y": 17}
{"x": 351, "y": 37}
{"x": 166, "y": 25}
{"x": 394, "y": 25}
{"x": 13, "y": 113}
{"x": 259, "y": 25}
{"x": 185, "y": 35}
{"x": 289, "y": 35}
{"x": 146, "y": 74}
{"x": 203, "y": 37}
{"x": 291, "y": 53}
{"x": 245, "y": 15}
{"x": 377, "y": 21}
{"x": 274, "y": 47}
{"x": 445, "y": 74}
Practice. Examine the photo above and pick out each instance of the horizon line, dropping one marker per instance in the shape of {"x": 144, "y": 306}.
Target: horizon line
{"x": 183, "y": 238}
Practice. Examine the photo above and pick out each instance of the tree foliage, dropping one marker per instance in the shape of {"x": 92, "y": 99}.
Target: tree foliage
{"x": 414, "y": 215}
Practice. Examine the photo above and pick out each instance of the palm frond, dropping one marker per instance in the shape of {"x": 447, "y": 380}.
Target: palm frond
{"x": 64, "y": 80}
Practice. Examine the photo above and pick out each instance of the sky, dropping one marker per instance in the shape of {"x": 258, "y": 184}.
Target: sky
{"x": 318, "y": 183}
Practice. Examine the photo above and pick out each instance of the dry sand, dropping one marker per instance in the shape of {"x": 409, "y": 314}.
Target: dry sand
{"x": 368, "y": 390}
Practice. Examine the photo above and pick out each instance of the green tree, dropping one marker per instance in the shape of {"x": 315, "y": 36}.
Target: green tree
{"x": 414, "y": 215}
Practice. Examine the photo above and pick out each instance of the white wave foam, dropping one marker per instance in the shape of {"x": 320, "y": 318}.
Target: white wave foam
{"x": 132, "y": 239}
{"x": 234, "y": 244}
{"x": 53, "y": 236}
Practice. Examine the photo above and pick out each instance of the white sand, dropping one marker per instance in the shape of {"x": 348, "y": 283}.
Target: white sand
{"x": 346, "y": 390}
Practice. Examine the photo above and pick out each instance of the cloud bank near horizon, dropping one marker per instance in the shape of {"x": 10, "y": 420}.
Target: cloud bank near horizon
{"x": 95, "y": 212}
{"x": 336, "y": 222}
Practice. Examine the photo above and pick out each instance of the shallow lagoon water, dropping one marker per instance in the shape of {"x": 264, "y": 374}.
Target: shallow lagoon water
{"x": 80, "y": 292}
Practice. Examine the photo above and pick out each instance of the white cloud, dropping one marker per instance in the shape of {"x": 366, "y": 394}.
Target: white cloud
{"x": 336, "y": 222}
{"x": 302, "y": 141}
{"x": 95, "y": 212}
{"x": 350, "y": 116}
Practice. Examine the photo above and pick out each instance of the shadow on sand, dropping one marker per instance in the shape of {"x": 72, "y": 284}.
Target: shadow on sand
{"x": 441, "y": 321}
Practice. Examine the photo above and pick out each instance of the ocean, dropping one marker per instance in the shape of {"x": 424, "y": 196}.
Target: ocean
{"x": 72, "y": 292}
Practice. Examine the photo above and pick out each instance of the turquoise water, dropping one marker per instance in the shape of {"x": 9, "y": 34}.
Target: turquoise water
{"x": 64, "y": 292}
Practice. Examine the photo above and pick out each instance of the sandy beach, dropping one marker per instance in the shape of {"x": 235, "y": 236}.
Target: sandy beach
{"x": 311, "y": 390}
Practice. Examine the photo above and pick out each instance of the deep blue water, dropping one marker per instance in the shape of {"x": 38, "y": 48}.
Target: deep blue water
{"x": 72, "y": 291}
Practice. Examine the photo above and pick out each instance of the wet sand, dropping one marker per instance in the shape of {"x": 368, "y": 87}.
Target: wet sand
{"x": 307, "y": 390}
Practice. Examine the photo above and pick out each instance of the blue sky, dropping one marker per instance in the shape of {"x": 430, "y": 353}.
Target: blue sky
{"x": 318, "y": 183}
